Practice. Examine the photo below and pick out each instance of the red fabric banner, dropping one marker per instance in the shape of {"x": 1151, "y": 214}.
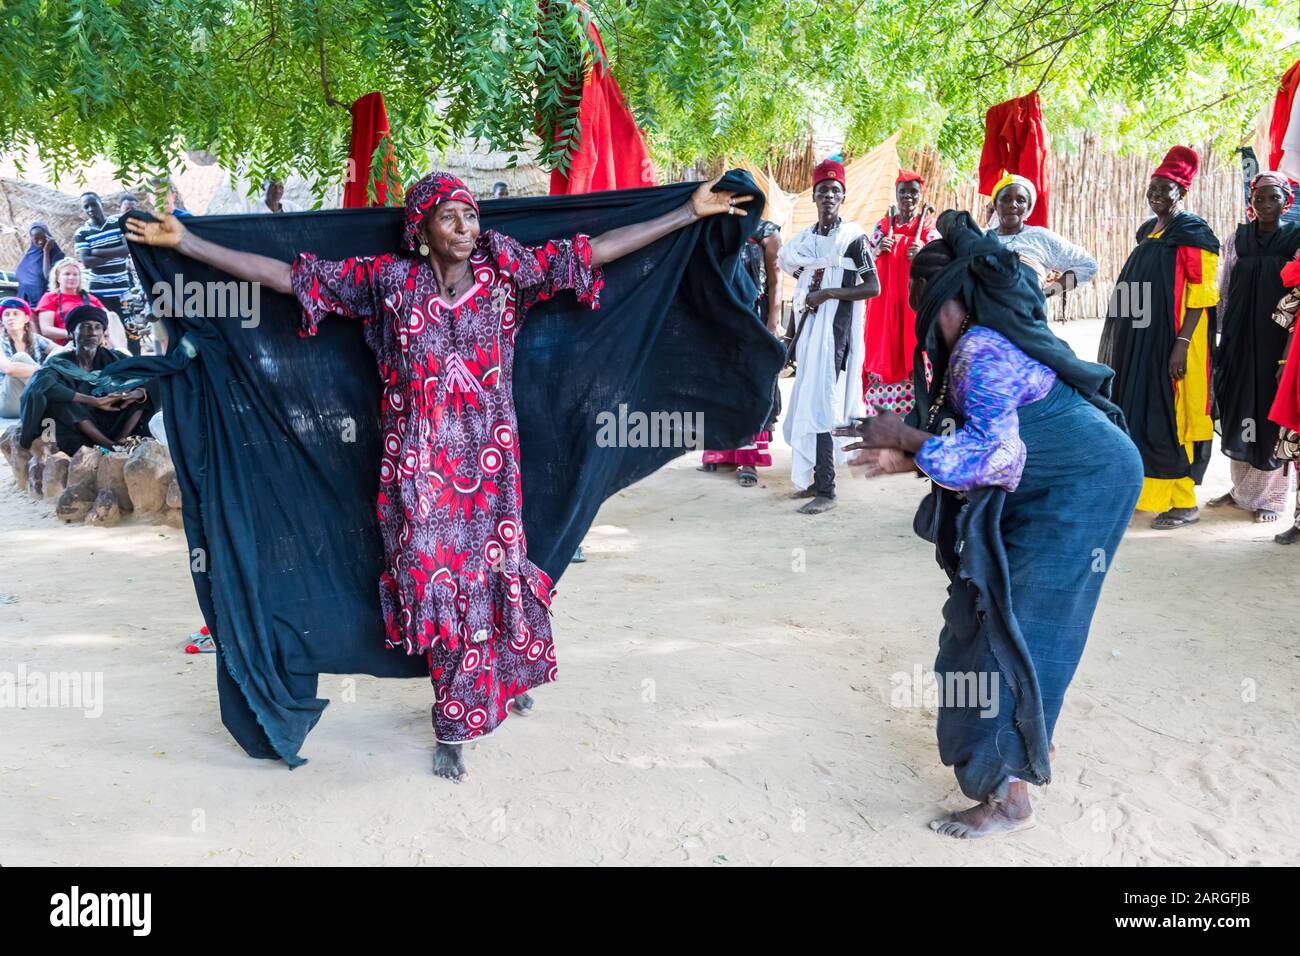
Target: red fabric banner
{"x": 1016, "y": 141}
{"x": 1282, "y": 114}
{"x": 612, "y": 154}
{"x": 369, "y": 128}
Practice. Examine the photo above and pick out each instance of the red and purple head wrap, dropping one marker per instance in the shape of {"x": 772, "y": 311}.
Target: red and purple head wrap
{"x": 430, "y": 192}
{"x": 13, "y": 302}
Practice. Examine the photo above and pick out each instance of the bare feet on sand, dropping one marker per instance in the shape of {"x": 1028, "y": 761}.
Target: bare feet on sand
{"x": 992, "y": 818}
{"x": 522, "y": 705}
{"x": 447, "y": 762}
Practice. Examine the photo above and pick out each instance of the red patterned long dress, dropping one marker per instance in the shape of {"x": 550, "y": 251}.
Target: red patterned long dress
{"x": 457, "y": 585}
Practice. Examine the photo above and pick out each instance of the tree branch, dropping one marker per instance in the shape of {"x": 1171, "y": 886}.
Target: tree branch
{"x": 325, "y": 81}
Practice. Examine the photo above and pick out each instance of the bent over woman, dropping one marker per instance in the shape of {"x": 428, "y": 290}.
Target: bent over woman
{"x": 1032, "y": 485}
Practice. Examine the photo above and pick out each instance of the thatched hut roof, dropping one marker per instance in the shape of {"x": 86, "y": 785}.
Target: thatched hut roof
{"x": 480, "y": 168}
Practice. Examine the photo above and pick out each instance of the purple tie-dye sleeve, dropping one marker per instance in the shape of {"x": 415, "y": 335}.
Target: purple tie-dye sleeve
{"x": 990, "y": 380}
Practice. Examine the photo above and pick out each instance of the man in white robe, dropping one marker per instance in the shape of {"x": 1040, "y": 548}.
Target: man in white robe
{"x": 832, "y": 264}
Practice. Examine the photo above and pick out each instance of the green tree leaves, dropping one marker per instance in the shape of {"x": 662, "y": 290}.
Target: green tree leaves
{"x": 265, "y": 83}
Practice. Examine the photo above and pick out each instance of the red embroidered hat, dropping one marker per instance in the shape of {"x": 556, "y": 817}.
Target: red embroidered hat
{"x": 427, "y": 194}
{"x": 1180, "y": 165}
{"x": 828, "y": 169}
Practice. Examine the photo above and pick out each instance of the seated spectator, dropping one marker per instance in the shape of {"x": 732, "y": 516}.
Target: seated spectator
{"x": 22, "y": 351}
{"x": 63, "y": 390}
{"x": 69, "y": 288}
{"x": 33, "y": 271}
{"x": 500, "y": 190}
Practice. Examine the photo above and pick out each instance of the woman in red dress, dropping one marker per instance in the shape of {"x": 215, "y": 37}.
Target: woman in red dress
{"x": 441, "y": 318}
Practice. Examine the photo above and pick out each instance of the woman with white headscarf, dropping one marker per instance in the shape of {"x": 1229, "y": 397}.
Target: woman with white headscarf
{"x": 1061, "y": 265}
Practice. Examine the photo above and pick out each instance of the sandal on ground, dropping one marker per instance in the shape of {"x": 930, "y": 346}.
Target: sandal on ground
{"x": 1289, "y": 536}
{"x": 1264, "y": 516}
{"x": 709, "y": 467}
{"x": 1167, "y": 521}
{"x": 201, "y": 642}
{"x": 747, "y": 477}
{"x": 1221, "y": 501}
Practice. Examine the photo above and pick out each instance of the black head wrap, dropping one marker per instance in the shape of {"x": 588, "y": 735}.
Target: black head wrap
{"x": 999, "y": 293}
{"x": 84, "y": 313}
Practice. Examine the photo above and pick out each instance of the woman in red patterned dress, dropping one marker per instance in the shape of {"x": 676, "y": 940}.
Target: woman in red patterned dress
{"x": 441, "y": 318}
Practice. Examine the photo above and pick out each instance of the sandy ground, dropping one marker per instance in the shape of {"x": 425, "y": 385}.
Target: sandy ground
{"x": 716, "y": 705}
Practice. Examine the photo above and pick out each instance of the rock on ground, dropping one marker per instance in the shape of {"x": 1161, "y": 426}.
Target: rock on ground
{"x": 147, "y": 474}
{"x": 106, "y": 511}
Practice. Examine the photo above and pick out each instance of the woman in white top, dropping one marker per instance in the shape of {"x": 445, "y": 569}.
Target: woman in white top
{"x": 1061, "y": 265}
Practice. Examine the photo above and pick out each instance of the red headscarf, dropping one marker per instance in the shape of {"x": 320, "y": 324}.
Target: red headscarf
{"x": 431, "y": 191}
{"x": 1180, "y": 164}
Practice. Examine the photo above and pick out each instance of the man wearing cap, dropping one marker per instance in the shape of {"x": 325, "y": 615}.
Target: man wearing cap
{"x": 62, "y": 391}
{"x": 1156, "y": 338}
{"x": 835, "y": 275}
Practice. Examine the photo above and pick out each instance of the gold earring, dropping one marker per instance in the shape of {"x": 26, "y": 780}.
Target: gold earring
{"x": 424, "y": 250}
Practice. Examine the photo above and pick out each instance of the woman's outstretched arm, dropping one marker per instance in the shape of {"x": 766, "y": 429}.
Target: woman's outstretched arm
{"x": 268, "y": 272}
{"x": 617, "y": 243}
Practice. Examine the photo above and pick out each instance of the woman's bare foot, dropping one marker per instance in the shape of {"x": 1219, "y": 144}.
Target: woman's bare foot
{"x": 1263, "y": 516}
{"x": 447, "y": 762}
{"x": 805, "y": 493}
{"x": 991, "y": 818}
{"x": 1221, "y": 501}
{"x": 522, "y": 705}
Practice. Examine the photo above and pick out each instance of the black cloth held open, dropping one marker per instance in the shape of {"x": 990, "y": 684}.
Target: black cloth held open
{"x": 276, "y": 440}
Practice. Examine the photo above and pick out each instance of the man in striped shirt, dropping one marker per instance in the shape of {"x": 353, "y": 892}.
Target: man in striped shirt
{"x": 102, "y": 250}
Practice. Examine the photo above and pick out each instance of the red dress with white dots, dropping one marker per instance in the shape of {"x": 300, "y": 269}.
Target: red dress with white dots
{"x": 457, "y": 584}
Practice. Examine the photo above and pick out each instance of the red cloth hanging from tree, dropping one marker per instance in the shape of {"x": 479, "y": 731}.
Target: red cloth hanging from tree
{"x": 1282, "y": 104}
{"x": 1016, "y": 141}
{"x": 369, "y": 129}
{"x": 612, "y": 153}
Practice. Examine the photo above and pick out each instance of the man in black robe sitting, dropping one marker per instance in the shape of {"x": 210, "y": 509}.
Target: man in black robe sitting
{"x": 63, "y": 391}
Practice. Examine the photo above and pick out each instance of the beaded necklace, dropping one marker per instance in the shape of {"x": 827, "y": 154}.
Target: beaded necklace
{"x": 937, "y": 405}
